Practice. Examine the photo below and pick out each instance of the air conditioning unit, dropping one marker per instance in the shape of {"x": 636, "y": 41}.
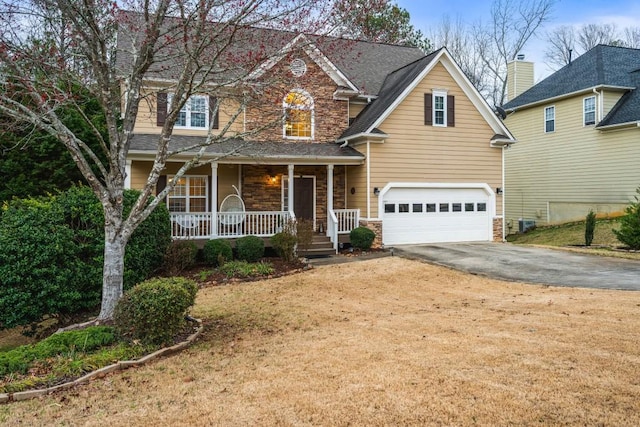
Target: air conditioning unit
{"x": 525, "y": 225}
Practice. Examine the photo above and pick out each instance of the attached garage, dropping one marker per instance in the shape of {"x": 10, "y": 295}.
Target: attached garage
{"x": 434, "y": 213}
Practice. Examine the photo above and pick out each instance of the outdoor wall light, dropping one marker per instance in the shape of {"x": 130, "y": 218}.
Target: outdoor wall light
{"x": 498, "y": 190}
{"x": 376, "y": 191}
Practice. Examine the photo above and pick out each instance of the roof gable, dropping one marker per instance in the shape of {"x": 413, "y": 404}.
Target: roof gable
{"x": 400, "y": 83}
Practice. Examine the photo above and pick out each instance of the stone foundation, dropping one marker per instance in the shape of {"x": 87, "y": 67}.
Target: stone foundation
{"x": 376, "y": 227}
{"x": 497, "y": 229}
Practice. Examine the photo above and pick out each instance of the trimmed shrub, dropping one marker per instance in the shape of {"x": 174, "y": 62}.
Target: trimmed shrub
{"x": 590, "y": 227}
{"x": 250, "y": 248}
{"x": 285, "y": 241}
{"x": 154, "y": 311}
{"x": 51, "y": 254}
{"x": 629, "y": 232}
{"x": 180, "y": 255}
{"x": 216, "y": 252}
{"x": 362, "y": 238}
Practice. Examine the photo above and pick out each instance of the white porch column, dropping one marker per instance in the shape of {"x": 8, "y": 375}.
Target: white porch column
{"x": 214, "y": 199}
{"x": 127, "y": 174}
{"x": 329, "y": 194}
{"x": 290, "y": 188}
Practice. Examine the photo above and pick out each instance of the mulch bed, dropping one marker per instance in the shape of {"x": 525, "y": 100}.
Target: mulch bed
{"x": 209, "y": 276}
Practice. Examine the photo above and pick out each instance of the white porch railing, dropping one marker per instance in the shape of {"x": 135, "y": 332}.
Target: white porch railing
{"x": 341, "y": 221}
{"x": 229, "y": 224}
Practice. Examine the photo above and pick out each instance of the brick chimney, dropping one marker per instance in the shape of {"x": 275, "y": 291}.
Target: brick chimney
{"x": 519, "y": 76}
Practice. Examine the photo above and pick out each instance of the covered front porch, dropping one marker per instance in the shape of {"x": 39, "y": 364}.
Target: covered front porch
{"x": 258, "y": 190}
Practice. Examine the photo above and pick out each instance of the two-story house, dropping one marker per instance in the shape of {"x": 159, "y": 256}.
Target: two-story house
{"x": 578, "y": 132}
{"x": 361, "y": 134}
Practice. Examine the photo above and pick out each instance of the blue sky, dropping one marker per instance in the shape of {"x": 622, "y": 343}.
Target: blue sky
{"x": 624, "y": 13}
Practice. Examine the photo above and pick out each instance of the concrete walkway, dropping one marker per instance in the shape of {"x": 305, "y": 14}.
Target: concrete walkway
{"x": 528, "y": 264}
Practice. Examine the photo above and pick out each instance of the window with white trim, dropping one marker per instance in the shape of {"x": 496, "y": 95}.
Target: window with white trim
{"x": 190, "y": 194}
{"x": 439, "y": 108}
{"x": 194, "y": 113}
{"x": 550, "y": 119}
{"x": 298, "y": 115}
{"x": 589, "y": 109}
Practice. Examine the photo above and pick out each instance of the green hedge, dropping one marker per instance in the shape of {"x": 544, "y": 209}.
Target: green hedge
{"x": 250, "y": 248}
{"x": 362, "y": 238}
{"x": 51, "y": 254}
{"x": 216, "y": 252}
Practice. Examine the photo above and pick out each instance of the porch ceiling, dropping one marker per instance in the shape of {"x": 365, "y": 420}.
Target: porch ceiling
{"x": 144, "y": 146}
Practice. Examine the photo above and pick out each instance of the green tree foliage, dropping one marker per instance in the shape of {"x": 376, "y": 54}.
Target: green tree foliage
{"x": 51, "y": 252}
{"x": 33, "y": 163}
{"x": 629, "y": 232}
{"x": 381, "y": 21}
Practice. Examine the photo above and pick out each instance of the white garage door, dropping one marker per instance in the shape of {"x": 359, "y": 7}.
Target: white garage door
{"x": 431, "y": 215}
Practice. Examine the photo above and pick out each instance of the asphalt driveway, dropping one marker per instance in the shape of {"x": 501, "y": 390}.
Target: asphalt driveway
{"x": 532, "y": 265}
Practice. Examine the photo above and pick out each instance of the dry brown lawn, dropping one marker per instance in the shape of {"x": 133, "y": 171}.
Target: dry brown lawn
{"x": 381, "y": 342}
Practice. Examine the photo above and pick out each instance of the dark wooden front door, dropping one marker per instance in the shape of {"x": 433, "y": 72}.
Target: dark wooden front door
{"x": 303, "y": 197}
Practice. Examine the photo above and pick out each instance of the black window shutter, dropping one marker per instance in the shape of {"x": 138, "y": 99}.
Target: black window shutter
{"x": 428, "y": 109}
{"x": 161, "y": 114}
{"x": 213, "y": 118}
{"x": 451, "y": 111}
{"x": 161, "y": 184}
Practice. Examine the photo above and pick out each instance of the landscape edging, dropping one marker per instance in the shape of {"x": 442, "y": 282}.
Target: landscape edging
{"x": 120, "y": 365}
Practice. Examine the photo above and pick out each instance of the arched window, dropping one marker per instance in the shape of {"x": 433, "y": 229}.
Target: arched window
{"x": 298, "y": 115}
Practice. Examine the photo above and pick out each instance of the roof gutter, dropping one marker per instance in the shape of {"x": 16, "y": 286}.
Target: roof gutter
{"x": 568, "y": 95}
{"x": 367, "y": 135}
{"x": 619, "y": 125}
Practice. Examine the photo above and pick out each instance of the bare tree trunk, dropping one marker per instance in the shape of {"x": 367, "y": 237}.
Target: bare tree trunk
{"x": 113, "y": 274}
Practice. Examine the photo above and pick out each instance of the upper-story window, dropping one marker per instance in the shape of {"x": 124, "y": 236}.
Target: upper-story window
{"x": 196, "y": 113}
{"x": 298, "y": 115}
{"x": 550, "y": 119}
{"x": 589, "y": 110}
{"x": 439, "y": 109}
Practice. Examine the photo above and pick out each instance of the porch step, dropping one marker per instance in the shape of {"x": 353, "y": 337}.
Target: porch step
{"x": 320, "y": 246}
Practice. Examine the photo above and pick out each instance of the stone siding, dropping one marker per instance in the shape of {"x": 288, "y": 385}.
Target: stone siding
{"x": 497, "y": 229}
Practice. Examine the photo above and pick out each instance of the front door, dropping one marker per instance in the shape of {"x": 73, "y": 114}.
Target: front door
{"x": 303, "y": 197}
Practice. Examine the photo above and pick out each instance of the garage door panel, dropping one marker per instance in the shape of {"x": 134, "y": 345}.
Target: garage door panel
{"x": 430, "y": 215}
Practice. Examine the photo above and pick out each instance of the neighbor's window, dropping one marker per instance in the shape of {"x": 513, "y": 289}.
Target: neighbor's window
{"x": 194, "y": 113}
{"x": 190, "y": 194}
{"x": 550, "y": 119}
{"x": 298, "y": 115}
{"x": 590, "y": 110}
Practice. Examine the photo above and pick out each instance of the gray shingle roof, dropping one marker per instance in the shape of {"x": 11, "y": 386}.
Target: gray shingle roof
{"x": 394, "y": 84}
{"x": 365, "y": 64}
{"x": 253, "y": 150}
{"x": 601, "y": 66}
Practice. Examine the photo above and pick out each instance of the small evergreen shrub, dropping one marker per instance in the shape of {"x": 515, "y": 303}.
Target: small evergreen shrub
{"x": 590, "y": 227}
{"x": 250, "y": 248}
{"x": 285, "y": 242}
{"x": 362, "y": 238}
{"x": 180, "y": 255}
{"x": 629, "y": 232}
{"x": 154, "y": 311}
{"x": 216, "y": 252}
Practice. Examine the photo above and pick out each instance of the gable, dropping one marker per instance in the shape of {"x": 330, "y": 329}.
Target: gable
{"x": 402, "y": 83}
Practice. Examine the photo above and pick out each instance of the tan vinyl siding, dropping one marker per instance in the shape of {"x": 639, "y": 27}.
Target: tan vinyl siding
{"x": 357, "y": 179}
{"x": 420, "y": 153}
{"x": 227, "y": 175}
{"x": 575, "y": 166}
{"x": 609, "y": 100}
{"x": 146, "y": 120}
{"x": 355, "y": 109}
{"x": 520, "y": 78}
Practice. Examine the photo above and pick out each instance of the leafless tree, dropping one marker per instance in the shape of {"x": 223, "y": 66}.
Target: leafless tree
{"x": 48, "y": 47}
{"x": 562, "y": 45}
{"x": 631, "y": 37}
{"x": 510, "y": 28}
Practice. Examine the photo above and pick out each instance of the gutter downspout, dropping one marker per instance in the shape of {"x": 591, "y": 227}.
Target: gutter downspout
{"x": 600, "y": 105}
{"x": 504, "y": 196}
{"x": 368, "y": 180}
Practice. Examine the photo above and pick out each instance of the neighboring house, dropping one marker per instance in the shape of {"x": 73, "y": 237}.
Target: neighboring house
{"x": 381, "y": 136}
{"x": 579, "y": 136}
